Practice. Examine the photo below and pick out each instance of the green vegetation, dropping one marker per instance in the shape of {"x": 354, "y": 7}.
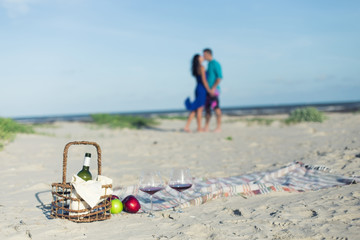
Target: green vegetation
{"x": 172, "y": 117}
{"x": 9, "y": 128}
{"x": 308, "y": 114}
{"x": 229, "y": 138}
{"x": 256, "y": 120}
{"x": 45, "y": 125}
{"x": 261, "y": 121}
{"x": 119, "y": 121}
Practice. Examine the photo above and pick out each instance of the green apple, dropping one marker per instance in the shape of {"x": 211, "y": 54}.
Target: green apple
{"x": 116, "y": 206}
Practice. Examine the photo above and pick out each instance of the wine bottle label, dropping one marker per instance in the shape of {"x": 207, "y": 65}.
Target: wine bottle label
{"x": 87, "y": 161}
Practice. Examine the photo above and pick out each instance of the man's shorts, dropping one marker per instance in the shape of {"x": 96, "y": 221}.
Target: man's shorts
{"x": 212, "y": 102}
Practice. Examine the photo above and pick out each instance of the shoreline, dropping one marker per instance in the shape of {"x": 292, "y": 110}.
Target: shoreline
{"x": 257, "y": 110}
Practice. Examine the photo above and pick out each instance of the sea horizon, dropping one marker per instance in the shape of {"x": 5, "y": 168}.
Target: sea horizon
{"x": 263, "y": 109}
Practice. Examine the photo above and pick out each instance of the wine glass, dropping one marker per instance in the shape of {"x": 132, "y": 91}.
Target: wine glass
{"x": 150, "y": 183}
{"x": 180, "y": 180}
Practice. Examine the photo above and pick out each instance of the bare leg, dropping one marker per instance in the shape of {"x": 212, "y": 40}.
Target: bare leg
{"x": 198, "y": 118}
{"x": 190, "y": 118}
{"x": 207, "y": 121}
{"x": 218, "y": 120}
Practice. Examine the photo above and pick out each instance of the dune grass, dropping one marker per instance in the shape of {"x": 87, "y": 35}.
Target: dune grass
{"x": 260, "y": 121}
{"x": 172, "y": 117}
{"x": 120, "y": 121}
{"x": 307, "y": 114}
{"x": 9, "y": 128}
{"x": 255, "y": 120}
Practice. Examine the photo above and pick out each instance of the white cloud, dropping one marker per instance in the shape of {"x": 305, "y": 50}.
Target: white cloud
{"x": 17, "y": 8}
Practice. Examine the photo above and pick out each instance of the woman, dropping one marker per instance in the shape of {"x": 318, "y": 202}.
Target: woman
{"x": 196, "y": 107}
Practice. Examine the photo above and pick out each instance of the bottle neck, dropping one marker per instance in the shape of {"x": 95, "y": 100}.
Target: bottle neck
{"x": 86, "y": 168}
{"x": 86, "y": 162}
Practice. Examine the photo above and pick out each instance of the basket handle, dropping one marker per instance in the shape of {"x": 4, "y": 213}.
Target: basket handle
{"x": 66, "y": 149}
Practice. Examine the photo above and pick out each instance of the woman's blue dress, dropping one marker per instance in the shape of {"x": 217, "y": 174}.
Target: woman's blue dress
{"x": 200, "y": 96}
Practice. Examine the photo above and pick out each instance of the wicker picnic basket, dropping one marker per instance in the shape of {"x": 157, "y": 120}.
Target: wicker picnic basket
{"x": 63, "y": 195}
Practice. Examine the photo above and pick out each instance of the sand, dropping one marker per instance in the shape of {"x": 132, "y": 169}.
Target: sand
{"x": 32, "y": 162}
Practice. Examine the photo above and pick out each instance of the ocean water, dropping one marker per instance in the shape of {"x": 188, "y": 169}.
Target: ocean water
{"x": 232, "y": 111}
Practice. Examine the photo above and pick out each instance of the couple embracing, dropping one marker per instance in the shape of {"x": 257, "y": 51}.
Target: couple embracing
{"x": 206, "y": 92}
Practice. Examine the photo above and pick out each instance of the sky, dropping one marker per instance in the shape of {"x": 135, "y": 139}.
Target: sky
{"x": 88, "y": 56}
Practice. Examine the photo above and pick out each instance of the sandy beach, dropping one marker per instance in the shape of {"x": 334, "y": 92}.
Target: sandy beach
{"x": 32, "y": 162}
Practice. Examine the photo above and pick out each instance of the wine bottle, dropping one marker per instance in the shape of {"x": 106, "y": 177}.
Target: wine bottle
{"x": 85, "y": 173}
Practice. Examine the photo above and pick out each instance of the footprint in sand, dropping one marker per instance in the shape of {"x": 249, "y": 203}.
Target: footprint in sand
{"x": 198, "y": 230}
{"x": 315, "y": 132}
{"x": 253, "y": 144}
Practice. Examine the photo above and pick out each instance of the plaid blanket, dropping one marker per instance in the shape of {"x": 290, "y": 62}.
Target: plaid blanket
{"x": 295, "y": 177}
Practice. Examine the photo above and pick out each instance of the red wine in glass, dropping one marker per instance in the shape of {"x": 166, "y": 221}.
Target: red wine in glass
{"x": 181, "y": 187}
{"x": 151, "y": 190}
{"x": 151, "y": 182}
{"x": 180, "y": 180}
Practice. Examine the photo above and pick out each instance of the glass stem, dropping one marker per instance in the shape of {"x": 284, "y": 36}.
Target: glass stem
{"x": 180, "y": 199}
{"x": 151, "y": 205}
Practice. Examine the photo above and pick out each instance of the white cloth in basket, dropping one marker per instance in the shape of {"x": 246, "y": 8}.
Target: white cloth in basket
{"x": 90, "y": 191}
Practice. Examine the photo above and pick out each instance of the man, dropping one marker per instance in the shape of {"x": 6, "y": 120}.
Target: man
{"x": 214, "y": 76}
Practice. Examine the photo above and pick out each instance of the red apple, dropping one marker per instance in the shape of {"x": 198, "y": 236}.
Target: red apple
{"x": 131, "y": 204}
{"x": 114, "y": 197}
